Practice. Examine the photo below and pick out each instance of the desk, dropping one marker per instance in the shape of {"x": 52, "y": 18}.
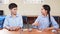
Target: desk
{"x": 5, "y": 31}
{"x": 34, "y": 31}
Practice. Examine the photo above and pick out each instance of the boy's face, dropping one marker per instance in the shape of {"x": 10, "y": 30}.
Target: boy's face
{"x": 14, "y": 11}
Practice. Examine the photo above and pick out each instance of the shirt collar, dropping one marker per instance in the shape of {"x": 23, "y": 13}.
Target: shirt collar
{"x": 44, "y": 16}
{"x": 16, "y": 15}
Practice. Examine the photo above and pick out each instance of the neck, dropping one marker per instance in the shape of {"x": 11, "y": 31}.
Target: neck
{"x": 13, "y": 15}
{"x": 45, "y": 15}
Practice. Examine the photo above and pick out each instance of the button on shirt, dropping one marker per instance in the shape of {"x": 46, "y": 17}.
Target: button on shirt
{"x": 44, "y": 22}
{"x": 10, "y": 21}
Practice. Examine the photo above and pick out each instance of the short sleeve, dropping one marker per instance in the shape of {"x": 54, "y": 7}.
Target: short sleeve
{"x": 54, "y": 23}
{"x": 21, "y": 22}
{"x": 37, "y": 20}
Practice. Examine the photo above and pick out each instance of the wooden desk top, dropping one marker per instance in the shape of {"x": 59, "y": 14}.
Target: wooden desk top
{"x": 34, "y": 31}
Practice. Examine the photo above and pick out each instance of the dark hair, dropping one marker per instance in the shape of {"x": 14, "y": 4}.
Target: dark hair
{"x": 47, "y": 7}
{"x": 12, "y": 5}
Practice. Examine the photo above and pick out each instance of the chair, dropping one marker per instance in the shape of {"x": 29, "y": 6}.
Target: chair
{"x": 2, "y": 18}
{"x": 24, "y": 21}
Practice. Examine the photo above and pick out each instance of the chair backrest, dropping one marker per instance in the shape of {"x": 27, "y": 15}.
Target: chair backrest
{"x": 2, "y": 18}
{"x": 24, "y": 19}
{"x": 1, "y": 12}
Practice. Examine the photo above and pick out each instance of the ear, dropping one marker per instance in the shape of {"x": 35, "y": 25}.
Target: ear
{"x": 46, "y": 11}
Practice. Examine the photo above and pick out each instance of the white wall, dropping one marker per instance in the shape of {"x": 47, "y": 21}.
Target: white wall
{"x": 33, "y": 9}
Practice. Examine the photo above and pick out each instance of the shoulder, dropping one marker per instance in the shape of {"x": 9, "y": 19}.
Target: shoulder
{"x": 19, "y": 15}
{"x": 52, "y": 17}
{"x": 40, "y": 16}
{"x": 7, "y": 16}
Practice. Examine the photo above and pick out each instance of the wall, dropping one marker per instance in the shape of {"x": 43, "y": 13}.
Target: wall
{"x": 32, "y": 9}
